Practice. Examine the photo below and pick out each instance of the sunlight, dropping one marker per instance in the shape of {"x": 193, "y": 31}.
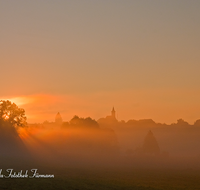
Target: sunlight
{"x": 5, "y": 116}
{"x": 22, "y": 133}
{"x": 20, "y": 100}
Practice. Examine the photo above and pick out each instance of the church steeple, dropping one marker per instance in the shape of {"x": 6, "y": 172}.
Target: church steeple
{"x": 113, "y": 113}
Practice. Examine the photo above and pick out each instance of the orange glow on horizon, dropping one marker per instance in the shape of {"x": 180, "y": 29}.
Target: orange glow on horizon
{"x": 164, "y": 106}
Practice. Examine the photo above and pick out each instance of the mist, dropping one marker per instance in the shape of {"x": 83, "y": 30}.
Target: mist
{"x": 107, "y": 143}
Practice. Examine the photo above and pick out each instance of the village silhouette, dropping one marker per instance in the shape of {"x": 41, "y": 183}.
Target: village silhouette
{"x": 105, "y": 142}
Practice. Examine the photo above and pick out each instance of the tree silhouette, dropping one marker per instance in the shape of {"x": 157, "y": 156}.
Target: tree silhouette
{"x": 11, "y": 114}
{"x": 81, "y": 122}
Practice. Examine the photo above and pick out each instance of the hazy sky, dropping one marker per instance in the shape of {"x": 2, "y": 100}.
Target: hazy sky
{"x": 140, "y": 56}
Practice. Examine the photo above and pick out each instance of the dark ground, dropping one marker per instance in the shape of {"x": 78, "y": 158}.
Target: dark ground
{"x": 108, "y": 179}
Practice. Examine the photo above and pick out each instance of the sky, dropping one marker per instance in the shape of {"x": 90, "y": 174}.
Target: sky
{"x": 84, "y": 57}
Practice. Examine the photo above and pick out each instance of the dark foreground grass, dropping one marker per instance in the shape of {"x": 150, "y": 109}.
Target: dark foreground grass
{"x": 108, "y": 179}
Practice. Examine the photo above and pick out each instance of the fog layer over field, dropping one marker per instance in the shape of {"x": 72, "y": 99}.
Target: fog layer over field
{"x": 83, "y": 142}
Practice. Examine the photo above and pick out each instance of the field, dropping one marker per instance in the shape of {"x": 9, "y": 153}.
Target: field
{"x": 109, "y": 179}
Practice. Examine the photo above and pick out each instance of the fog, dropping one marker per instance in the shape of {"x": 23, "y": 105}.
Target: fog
{"x": 84, "y": 142}
{"x": 71, "y": 147}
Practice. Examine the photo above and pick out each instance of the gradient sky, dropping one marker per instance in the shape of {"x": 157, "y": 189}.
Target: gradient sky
{"x": 86, "y": 56}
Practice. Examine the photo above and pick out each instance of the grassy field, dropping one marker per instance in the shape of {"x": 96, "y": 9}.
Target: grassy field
{"x": 105, "y": 179}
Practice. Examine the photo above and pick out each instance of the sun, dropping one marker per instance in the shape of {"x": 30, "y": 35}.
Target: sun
{"x": 5, "y": 116}
{"x": 20, "y": 100}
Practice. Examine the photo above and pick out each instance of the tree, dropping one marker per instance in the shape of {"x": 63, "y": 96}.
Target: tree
{"x": 11, "y": 114}
{"x": 181, "y": 122}
{"x": 81, "y": 122}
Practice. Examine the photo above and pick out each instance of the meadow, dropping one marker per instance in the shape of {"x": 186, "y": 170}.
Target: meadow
{"x": 109, "y": 179}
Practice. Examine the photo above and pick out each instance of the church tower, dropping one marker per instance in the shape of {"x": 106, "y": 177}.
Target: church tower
{"x": 58, "y": 119}
{"x": 113, "y": 113}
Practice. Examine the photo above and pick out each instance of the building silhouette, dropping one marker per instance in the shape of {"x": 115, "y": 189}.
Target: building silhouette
{"x": 109, "y": 120}
{"x": 113, "y": 113}
{"x": 112, "y": 117}
{"x": 58, "y": 119}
